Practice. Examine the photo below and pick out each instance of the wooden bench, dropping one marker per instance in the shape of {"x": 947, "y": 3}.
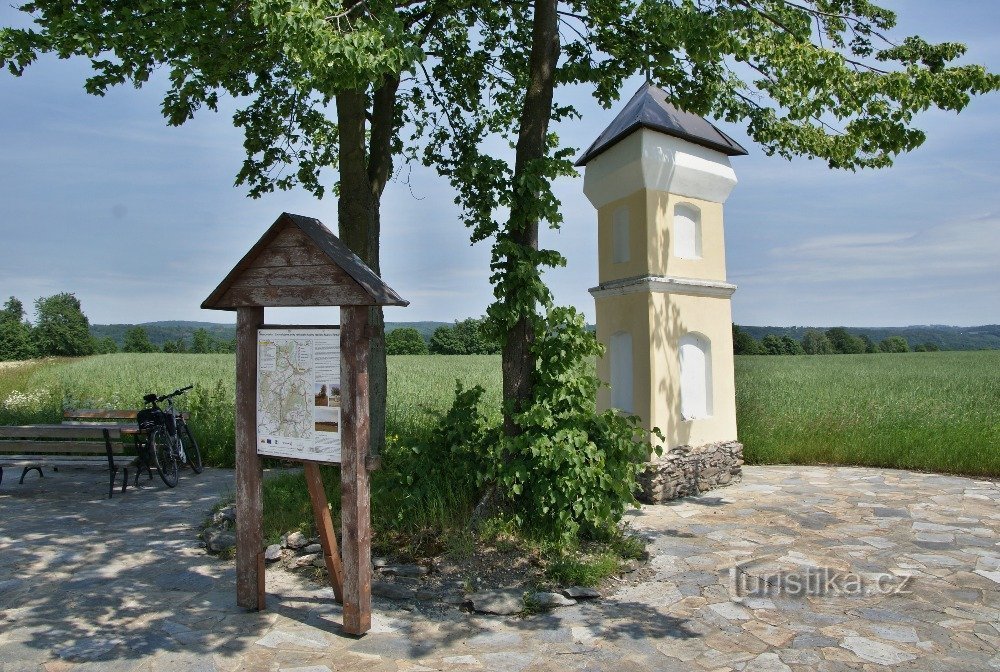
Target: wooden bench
{"x": 126, "y": 420}
{"x": 33, "y": 446}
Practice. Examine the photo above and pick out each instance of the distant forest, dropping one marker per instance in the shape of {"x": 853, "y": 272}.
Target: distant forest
{"x": 60, "y": 328}
{"x": 164, "y": 332}
{"x": 986, "y": 337}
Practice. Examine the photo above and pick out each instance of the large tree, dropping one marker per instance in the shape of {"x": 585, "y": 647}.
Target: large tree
{"x": 825, "y": 79}
{"x": 15, "y": 332}
{"x": 61, "y": 328}
{"x": 316, "y": 84}
{"x": 137, "y": 340}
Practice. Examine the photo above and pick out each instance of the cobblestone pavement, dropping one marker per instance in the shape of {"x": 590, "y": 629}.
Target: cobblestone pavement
{"x": 88, "y": 583}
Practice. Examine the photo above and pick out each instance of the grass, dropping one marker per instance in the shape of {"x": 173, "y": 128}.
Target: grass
{"x": 935, "y": 411}
{"x": 927, "y": 411}
{"x": 423, "y": 385}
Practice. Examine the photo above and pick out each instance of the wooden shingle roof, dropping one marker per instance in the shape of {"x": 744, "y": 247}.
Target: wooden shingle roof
{"x": 299, "y": 262}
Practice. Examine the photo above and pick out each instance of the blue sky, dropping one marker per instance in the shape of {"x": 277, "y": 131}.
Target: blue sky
{"x": 99, "y": 197}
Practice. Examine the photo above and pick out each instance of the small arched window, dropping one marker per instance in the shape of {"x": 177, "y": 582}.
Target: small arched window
{"x": 621, "y": 371}
{"x": 620, "y": 235}
{"x": 696, "y": 376}
{"x": 687, "y": 231}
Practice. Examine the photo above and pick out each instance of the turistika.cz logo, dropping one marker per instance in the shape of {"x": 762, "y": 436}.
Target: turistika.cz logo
{"x": 814, "y": 581}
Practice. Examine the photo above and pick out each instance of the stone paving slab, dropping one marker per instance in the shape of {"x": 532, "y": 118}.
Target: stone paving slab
{"x": 740, "y": 580}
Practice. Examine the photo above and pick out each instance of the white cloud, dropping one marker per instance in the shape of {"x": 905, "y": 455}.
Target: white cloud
{"x": 950, "y": 250}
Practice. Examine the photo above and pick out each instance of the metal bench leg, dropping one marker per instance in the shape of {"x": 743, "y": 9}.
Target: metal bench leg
{"x": 1, "y": 474}
{"x": 111, "y": 485}
{"x": 25, "y": 473}
{"x": 125, "y": 479}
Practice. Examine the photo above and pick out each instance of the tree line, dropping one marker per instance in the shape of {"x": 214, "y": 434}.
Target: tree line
{"x": 472, "y": 336}
{"x": 61, "y": 329}
{"x": 835, "y": 341}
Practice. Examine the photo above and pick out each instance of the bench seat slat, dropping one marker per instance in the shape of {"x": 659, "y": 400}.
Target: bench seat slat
{"x": 123, "y": 429}
{"x": 58, "y": 461}
{"x": 89, "y": 447}
{"x": 57, "y": 432}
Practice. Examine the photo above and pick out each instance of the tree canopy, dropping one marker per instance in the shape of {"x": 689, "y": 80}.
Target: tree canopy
{"x": 15, "y": 332}
{"x": 61, "y": 329}
{"x": 405, "y": 341}
{"x": 137, "y": 340}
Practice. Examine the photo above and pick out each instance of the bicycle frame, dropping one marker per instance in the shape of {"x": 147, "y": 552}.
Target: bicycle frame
{"x": 171, "y": 427}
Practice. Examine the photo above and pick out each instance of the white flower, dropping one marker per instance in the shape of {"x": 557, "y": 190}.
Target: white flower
{"x": 18, "y": 401}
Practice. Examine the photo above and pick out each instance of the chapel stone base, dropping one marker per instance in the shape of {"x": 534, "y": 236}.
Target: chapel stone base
{"x": 685, "y": 471}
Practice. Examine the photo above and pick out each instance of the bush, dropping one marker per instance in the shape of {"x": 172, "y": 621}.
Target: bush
{"x": 137, "y": 340}
{"x": 213, "y": 422}
{"x": 405, "y": 341}
{"x": 434, "y": 480}
{"x": 571, "y": 472}
{"x": 468, "y": 337}
{"x": 894, "y": 344}
{"x": 744, "y": 343}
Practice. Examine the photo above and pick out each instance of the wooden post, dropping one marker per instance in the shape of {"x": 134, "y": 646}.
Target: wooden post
{"x": 249, "y": 475}
{"x": 355, "y": 513}
{"x": 324, "y": 526}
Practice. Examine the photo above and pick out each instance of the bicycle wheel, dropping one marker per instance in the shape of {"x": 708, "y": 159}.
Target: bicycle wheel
{"x": 190, "y": 446}
{"x": 164, "y": 456}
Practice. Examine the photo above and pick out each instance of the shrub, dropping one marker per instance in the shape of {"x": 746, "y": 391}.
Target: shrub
{"x": 571, "y": 472}
{"x": 894, "y": 344}
{"x": 405, "y": 341}
{"x": 435, "y": 479}
{"x": 213, "y": 422}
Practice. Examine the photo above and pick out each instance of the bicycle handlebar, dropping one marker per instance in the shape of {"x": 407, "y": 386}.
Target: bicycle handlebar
{"x": 175, "y": 393}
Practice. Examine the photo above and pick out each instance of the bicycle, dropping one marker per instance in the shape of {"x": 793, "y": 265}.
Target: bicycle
{"x": 170, "y": 443}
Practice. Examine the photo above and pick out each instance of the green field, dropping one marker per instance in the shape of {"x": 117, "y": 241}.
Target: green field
{"x": 929, "y": 411}
{"x": 937, "y": 411}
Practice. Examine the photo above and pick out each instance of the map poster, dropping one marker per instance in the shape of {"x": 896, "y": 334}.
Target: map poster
{"x": 298, "y": 393}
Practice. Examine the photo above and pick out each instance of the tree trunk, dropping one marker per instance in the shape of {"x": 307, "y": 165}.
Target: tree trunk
{"x": 358, "y": 223}
{"x": 518, "y": 358}
{"x": 364, "y": 171}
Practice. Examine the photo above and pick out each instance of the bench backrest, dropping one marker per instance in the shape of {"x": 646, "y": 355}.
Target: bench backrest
{"x": 76, "y": 439}
{"x": 83, "y": 416}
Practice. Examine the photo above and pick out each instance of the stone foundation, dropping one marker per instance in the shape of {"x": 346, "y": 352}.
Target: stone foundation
{"x": 684, "y": 471}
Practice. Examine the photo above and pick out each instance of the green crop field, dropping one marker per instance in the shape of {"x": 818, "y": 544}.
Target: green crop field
{"x": 936, "y": 411}
{"x": 929, "y": 411}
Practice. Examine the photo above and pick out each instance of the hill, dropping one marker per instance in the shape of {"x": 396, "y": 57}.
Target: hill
{"x": 985, "y": 337}
{"x": 161, "y": 332}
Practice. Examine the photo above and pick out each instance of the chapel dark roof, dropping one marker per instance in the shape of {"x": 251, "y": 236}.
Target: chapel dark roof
{"x": 649, "y": 108}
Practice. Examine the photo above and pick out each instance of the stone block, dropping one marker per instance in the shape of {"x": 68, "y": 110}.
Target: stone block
{"x": 688, "y": 470}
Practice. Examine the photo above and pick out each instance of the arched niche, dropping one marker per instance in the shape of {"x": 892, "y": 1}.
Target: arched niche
{"x": 696, "y": 376}
{"x": 621, "y": 371}
{"x": 687, "y": 231}
{"x": 620, "y": 243}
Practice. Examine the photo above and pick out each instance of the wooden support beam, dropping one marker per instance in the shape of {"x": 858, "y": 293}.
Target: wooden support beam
{"x": 355, "y": 509}
{"x": 324, "y": 526}
{"x": 249, "y": 475}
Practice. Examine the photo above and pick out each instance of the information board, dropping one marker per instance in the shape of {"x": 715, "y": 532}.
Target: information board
{"x": 298, "y": 393}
